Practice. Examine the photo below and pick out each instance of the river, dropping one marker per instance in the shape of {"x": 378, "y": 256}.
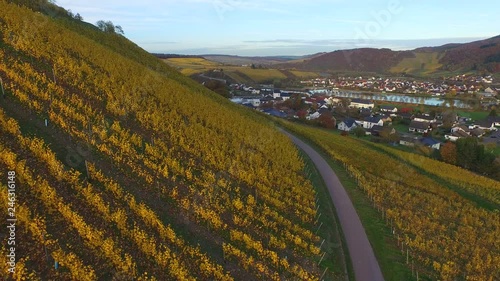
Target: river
{"x": 400, "y": 98}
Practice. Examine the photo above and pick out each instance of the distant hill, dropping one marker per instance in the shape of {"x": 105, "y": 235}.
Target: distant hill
{"x": 483, "y": 56}
{"x": 243, "y": 60}
{"x": 169, "y": 56}
{"x": 362, "y": 60}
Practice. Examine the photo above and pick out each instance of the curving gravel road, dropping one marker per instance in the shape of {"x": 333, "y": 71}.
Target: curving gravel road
{"x": 363, "y": 259}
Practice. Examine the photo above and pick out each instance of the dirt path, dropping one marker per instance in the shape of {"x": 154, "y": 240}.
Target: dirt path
{"x": 365, "y": 264}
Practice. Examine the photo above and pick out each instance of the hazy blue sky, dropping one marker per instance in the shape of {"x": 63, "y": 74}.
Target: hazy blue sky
{"x": 292, "y": 27}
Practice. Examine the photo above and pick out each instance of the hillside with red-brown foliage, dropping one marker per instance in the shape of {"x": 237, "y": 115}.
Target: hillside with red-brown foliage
{"x": 481, "y": 56}
{"x": 362, "y": 60}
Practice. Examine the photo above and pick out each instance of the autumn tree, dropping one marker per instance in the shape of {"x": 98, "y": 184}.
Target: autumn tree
{"x": 219, "y": 87}
{"x": 389, "y": 135}
{"x": 473, "y": 156}
{"x": 302, "y": 114}
{"x": 449, "y": 117}
{"x": 359, "y": 131}
{"x": 467, "y": 152}
{"x": 295, "y": 102}
{"x": 405, "y": 110}
{"x": 449, "y": 153}
{"x": 109, "y": 27}
{"x": 326, "y": 120}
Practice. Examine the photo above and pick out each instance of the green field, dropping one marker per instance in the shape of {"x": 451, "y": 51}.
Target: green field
{"x": 475, "y": 115}
{"x": 304, "y": 74}
{"x": 190, "y": 66}
{"x": 421, "y": 64}
{"x": 242, "y": 74}
{"x": 261, "y": 75}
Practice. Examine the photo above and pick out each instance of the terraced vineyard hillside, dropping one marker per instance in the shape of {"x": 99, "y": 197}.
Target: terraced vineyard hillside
{"x": 238, "y": 73}
{"x": 127, "y": 170}
{"x": 445, "y": 219}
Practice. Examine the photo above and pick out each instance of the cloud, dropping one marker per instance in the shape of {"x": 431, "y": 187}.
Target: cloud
{"x": 381, "y": 43}
{"x": 306, "y": 47}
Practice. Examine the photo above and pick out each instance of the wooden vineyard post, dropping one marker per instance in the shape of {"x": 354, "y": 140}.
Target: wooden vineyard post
{"x": 319, "y": 228}
{"x": 45, "y": 248}
{"x": 321, "y": 244}
{"x": 54, "y": 74}
{"x": 318, "y": 218}
{"x": 322, "y": 257}
{"x": 87, "y": 169}
{"x": 412, "y": 268}
{"x": 1, "y": 85}
{"x": 322, "y": 275}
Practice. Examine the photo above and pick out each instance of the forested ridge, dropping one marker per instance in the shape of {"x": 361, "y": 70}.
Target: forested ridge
{"x": 125, "y": 169}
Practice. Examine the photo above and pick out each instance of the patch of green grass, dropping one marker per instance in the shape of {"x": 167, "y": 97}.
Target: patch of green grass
{"x": 475, "y": 115}
{"x": 402, "y": 128}
{"x": 496, "y": 151}
{"x": 262, "y": 75}
{"x": 304, "y": 74}
{"x": 422, "y": 64}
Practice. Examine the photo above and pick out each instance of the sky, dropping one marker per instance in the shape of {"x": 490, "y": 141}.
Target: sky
{"x": 292, "y": 27}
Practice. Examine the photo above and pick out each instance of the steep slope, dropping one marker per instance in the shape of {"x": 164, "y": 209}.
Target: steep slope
{"x": 124, "y": 169}
{"x": 483, "y": 55}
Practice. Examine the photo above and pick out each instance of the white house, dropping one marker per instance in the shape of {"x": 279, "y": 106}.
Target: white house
{"x": 408, "y": 140}
{"x": 360, "y": 103}
{"x": 254, "y": 101}
{"x": 430, "y": 142}
{"x": 419, "y": 127}
{"x": 495, "y": 120}
{"x": 488, "y": 93}
{"x": 285, "y": 96}
{"x": 371, "y": 121}
{"x": 347, "y": 125}
{"x": 487, "y": 125}
{"x": 276, "y": 93}
{"x": 388, "y": 108}
{"x": 332, "y": 100}
{"x": 462, "y": 128}
{"x": 313, "y": 116}
{"x": 424, "y": 118}
{"x": 451, "y": 138}
{"x": 457, "y": 134}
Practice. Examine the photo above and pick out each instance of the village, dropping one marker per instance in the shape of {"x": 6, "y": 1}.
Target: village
{"x": 399, "y": 124}
{"x": 452, "y": 86}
